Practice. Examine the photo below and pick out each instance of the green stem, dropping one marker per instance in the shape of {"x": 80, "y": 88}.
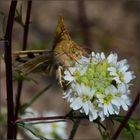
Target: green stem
{"x": 26, "y": 105}
{"x": 103, "y": 131}
{"x": 127, "y": 117}
{"x": 74, "y": 129}
{"x": 100, "y": 130}
{"x": 30, "y": 130}
{"x": 38, "y": 95}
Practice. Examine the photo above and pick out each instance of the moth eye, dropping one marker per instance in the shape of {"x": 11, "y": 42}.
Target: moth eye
{"x": 73, "y": 50}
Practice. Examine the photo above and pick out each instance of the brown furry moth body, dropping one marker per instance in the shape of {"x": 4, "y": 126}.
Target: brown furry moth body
{"x": 64, "y": 53}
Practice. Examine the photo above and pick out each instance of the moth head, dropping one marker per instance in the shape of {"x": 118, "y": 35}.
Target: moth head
{"x": 77, "y": 50}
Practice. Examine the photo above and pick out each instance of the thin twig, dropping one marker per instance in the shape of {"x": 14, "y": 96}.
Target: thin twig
{"x": 128, "y": 115}
{"x": 26, "y": 27}
{"x": 18, "y": 95}
{"x": 38, "y": 95}
{"x": 49, "y": 118}
{"x": 84, "y": 22}
{"x": 25, "y": 38}
{"x": 74, "y": 129}
{"x": 8, "y": 64}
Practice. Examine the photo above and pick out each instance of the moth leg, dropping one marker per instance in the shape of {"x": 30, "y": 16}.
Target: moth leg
{"x": 59, "y": 75}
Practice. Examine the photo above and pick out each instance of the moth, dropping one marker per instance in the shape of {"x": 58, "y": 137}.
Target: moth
{"x": 64, "y": 53}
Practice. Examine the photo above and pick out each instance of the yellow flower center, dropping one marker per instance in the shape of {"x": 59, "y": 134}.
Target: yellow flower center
{"x": 107, "y": 98}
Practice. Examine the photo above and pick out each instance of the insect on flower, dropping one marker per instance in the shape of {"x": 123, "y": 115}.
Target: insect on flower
{"x": 64, "y": 53}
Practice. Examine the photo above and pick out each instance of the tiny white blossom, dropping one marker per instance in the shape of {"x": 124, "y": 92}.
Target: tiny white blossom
{"x": 79, "y": 69}
{"x": 112, "y": 58}
{"x": 122, "y": 96}
{"x": 68, "y": 74}
{"x": 120, "y": 73}
{"x": 82, "y": 98}
{"x": 46, "y": 130}
{"x": 113, "y": 99}
{"x": 98, "y": 57}
{"x": 98, "y": 85}
{"x": 107, "y": 102}
{"x": 30, "y": 112}
{"x": 57, "y": 128}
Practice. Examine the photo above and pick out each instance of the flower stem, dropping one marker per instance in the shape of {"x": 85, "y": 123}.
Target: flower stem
{"x": 24, "y": 46}
{"x": 50, "y": 118}
{"x": 74, "y": 129}
{"x": 8, "y": 65}
{"x": 26, "y": 26}
{"x": 128, "y": 115}
{"x": 38, "y": 95}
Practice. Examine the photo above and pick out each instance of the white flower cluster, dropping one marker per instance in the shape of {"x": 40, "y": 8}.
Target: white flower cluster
{"x": 98, "y": 86}
{"x": 52, "y": 130}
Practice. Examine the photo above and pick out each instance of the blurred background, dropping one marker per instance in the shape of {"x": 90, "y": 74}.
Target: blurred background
{"x": 108, "y": 26}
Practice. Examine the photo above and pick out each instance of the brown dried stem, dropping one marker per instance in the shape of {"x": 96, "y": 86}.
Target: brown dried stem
{"x": 8, "y": 65}
{"x": 24, "y": 46}
{"x": 49, "y": 118}
{"x": 126, "y": 118}
{"x": 25, "y": 38}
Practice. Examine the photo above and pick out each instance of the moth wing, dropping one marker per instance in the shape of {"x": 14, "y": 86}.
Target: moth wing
{"x": 60, "y": 33}
{"x": 24, "y": 56}
{"x": 40, "y": 63}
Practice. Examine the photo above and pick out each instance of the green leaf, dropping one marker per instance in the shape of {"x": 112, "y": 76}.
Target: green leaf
{"x": 20, "y": 124}
{"x": 132, "y": 125}
{"x": 18, "y": 17}
{"x": 35, "y": 133}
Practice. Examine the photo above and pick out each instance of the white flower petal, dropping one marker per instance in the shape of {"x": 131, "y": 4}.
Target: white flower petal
{"x": 123, "y": 63}
{"x": 76, "y": 104}
{"x": 124, "y": 106}
{"x": 86, "y": 108}
{"x": 112, "y": 58}
{"x": 115, "y": 102}
{"x": 93, "y": 115}
{"x": 69, "y": 78}
{"x": 110, "y": 109}
{"x": 128, "y": 76}
{"x": 102, "y": 56}
{"x": 112, "y": 70}
{"x": 106, "y": 110}
{"x": 102, "y": 116}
